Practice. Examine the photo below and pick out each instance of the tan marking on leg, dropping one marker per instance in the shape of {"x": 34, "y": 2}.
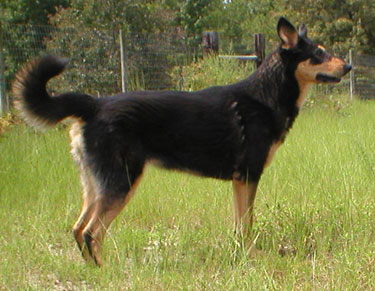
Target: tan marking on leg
{"x": 244, "y": 196}
{"x": 103, "y": 214}
{"x": 272, "y": 152}
{"x": 89, "y": 197}
{"x": 88, "y": 185}
{"x": 133, "y": 189}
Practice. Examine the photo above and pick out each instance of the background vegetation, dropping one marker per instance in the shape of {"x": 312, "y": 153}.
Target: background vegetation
{"x": 87, "y": 30}
{"x": 340, "y": 24}
{"x": 210, "y": 71}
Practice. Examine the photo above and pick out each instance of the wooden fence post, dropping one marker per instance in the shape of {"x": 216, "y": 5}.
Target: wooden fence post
{"x": 259, "y": 48}
{"x": 210, "y": 42}
{"x": 123, "y": 62}
{"x": 2, "y": 81}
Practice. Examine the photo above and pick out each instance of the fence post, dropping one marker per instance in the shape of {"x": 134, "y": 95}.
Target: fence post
{"x": 2, "y": 81}
{"x": 210, "y": 42}
{"x": 259, "y": 48}
{"x": 351, "y": 75}
{"x": 123, "y": 62}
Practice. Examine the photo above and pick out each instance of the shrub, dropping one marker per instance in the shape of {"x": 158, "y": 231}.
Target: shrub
{"x": 7, "y": 120}
{"x": 210, "y": 71}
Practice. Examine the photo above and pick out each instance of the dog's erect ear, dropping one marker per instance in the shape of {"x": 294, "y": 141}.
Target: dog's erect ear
{"x": 302, "y": 31}
{"x": 287, "y": 33}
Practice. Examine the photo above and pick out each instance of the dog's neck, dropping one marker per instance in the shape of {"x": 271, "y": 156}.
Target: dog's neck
{"x": 274, "y": 85}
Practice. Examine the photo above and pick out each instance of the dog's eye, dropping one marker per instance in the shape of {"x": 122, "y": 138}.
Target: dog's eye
{"x": 317, "y": 56}
{"x": 319, "y": 52}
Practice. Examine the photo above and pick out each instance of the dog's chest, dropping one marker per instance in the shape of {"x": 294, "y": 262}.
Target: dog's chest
{"x": 278, "y": 141}
{"x": 273, "y": 148}
{"x": 303, "y": 90}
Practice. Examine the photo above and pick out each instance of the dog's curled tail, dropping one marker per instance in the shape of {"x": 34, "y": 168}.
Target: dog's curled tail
{"x": 40, "y": 108}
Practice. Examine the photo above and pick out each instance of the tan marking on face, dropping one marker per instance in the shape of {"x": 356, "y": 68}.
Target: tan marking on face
{"x": 322, "y": 47}
{"x": 272, "y": 152}
{"x": 306, "y": 75}
{"x": 306, "y": 72}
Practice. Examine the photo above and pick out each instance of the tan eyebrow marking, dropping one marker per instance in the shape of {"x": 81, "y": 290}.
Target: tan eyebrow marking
{"x": 321, "y": 47}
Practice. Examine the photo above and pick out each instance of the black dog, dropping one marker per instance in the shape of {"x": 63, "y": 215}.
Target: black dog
{"x": 227, "y": 132}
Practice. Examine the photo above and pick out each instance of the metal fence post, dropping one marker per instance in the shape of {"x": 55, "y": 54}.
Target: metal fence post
{"x": 351, "y": 75}
{"x": 123, "y": 62}
{"x": 2, "y": 81}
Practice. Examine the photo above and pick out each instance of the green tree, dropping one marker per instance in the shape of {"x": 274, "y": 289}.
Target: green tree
{"x": 129, "y": 15}
{"x": 148, "y": 27}
{"x": 195, "y": 16}
{"x": 20, "y": 43}
{"x": 242, "y": 18}
{"x": 338, "y": 24}
{"x": 29, "y": 12}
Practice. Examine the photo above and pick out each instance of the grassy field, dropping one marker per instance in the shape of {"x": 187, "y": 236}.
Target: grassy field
{"x": 314, "y": 228}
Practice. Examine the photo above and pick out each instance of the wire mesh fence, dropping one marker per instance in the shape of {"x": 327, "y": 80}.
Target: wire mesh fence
{"x": 95, "y": 56}
{"x": 95, "y": 66}
{"x": 364, "y": 76}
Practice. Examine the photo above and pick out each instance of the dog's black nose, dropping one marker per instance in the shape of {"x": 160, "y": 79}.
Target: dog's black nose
{"x": 347, "y": 68}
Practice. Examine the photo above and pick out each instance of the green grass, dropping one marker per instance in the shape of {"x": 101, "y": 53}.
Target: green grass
{"x": 314, "y": 228}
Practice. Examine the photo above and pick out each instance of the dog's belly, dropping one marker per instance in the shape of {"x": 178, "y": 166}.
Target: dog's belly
{"x": 203, "y": 160}
{"x": 210, "y": 169}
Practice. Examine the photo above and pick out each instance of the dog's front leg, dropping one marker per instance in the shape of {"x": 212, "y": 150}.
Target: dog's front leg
{"x": 244, "y": 196}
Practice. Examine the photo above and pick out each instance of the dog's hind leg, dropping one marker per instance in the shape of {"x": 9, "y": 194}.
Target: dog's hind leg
{"x": 244, "y": 196}
{"x": 88, "y": 185}
{"x": 89, "y": 198}
{"x": 107, "y": 206}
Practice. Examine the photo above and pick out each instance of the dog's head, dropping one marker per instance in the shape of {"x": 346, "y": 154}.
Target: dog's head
{"x": 312, "y": 63}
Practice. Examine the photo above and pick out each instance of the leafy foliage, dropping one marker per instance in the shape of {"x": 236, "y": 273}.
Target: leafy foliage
{"x": 30, "y": 12}
{"x": 196, "y": 16}
{"x": 240, "y": 19}
{"x": 151, "y": 45}
{"x": 211, "y": 71}
{"x": 30, "y": 38}
{"x": 158, "y": 33}
{"x": 339, "y": 24}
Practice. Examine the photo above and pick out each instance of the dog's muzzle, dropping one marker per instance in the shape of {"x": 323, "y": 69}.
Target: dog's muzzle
{"x": 325, "y": 78}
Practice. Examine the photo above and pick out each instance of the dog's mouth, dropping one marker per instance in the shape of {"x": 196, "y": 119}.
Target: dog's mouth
{"x": 321, "y": 77}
